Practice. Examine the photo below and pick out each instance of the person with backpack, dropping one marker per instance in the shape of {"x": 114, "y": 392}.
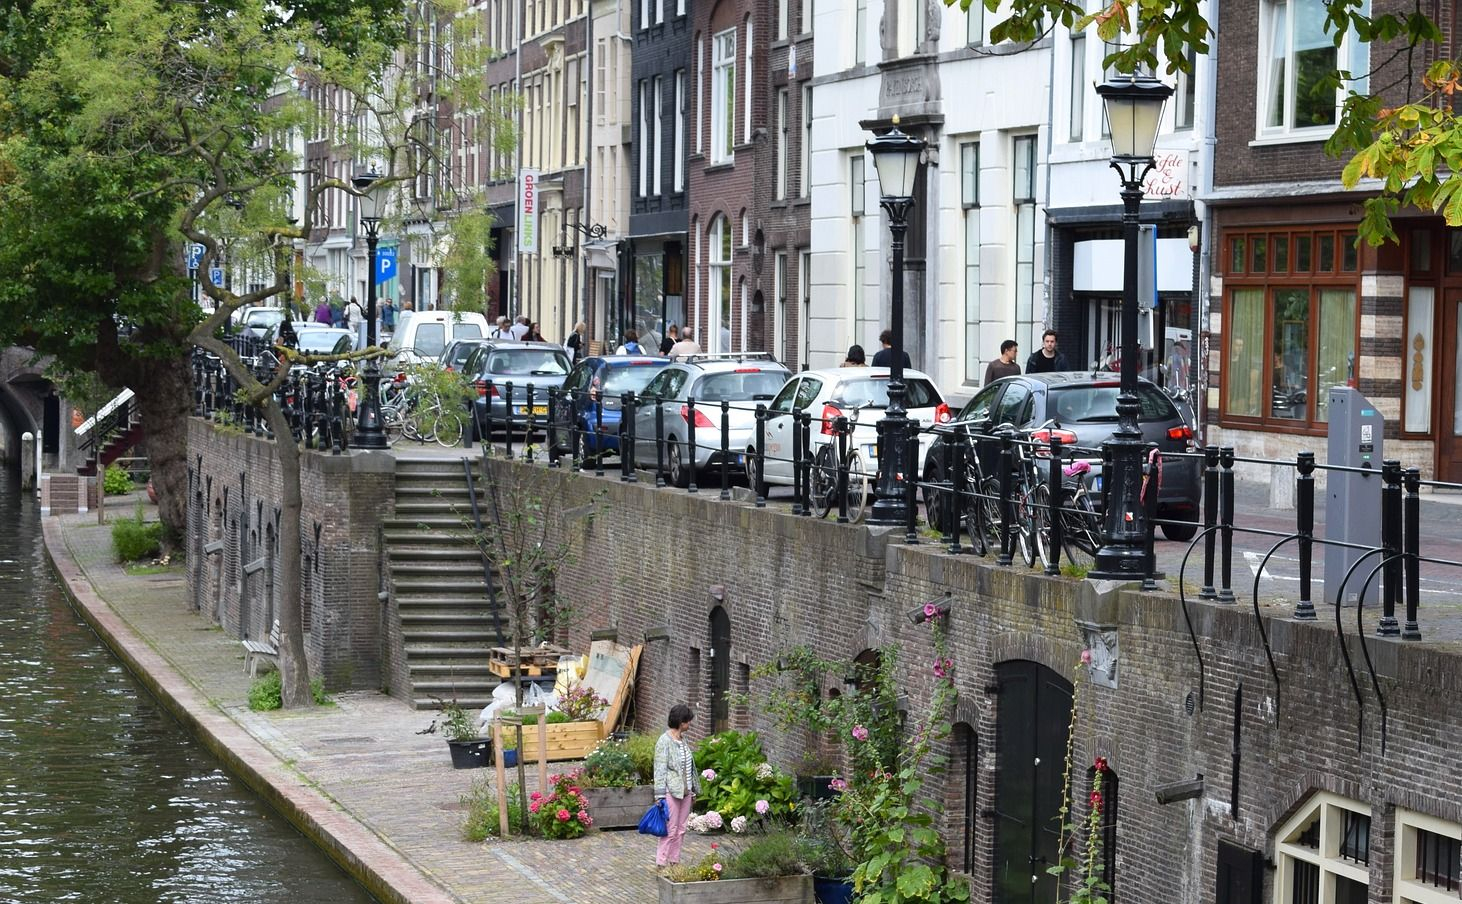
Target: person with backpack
{"x": 631, "y": 344}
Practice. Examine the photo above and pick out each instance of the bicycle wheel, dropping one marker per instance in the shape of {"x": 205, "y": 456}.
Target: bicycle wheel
{"x": 391, "y": 423}
{"x": 1040, "y": 510}
{"x": 1082, "y": 528}
{"x": 1025, "y": 521}
{"x": 990, "y": 515}
{"x": 823, "y": 482}
{"x": 859, "y": 488}
{"x": 421, "y": 421}
{"x": 448, "y": 428}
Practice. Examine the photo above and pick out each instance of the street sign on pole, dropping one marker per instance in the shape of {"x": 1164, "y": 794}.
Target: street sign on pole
{"x": 215, "y": 276}
{"x": 385, "y": 263}
{"x": 194, "y": 252}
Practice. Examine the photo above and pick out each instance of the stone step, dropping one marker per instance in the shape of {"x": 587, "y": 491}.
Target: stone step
{"x": 430, "y": 524}
{"x": 467, "y": 703}
{"x": 477, "y": 603}
{"x": 444, "y": 587}
{"x": 410, "y": 536}
{"x": 460, "y": 511}
{"x": 430, "y": 653}
{"x": 414, "y": 491}
{"x": 459, "y": 568}
{"x": 441, "y": 553}
{"x": 443, "y": 636}
{"x": 479, "y": 686}
{"x": 441, "y": 670}
{"x": 450, "y": 619}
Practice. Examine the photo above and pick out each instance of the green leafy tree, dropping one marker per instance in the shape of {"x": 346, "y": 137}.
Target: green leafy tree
{"x": 130, "y": 127}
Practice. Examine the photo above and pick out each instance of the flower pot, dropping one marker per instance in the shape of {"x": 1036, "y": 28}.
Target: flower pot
{"x": 566, "y": 740}
{"x": 510, "y": 758}
{"x": 473, "y": 753}
{"x": 619, "y": 808}
{"x": 780, "y": 890}
{"x": 832, "y": 891}
{"x": 815, "y": 787}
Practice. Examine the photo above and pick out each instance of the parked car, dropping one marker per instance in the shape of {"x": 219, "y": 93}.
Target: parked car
{"x": 271, "y": 334}
{"x": 1083, "y": 408}
{"x": 858, "y": 393}
{"x": 423, "y": 335}
{"x": 257, "y": 321}
{"x": 742, "y": 381}
{"x": 454, "y": 356}
{"x": 491, "y": 365}
{"x": 324, "y": 340}
{"x": 595, "y": 387}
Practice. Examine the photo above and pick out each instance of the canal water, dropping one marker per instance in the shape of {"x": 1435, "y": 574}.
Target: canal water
{"x": 103, "y": 796}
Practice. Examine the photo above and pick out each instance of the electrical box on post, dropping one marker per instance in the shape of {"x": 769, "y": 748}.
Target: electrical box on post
{"x": 1353, "y": 498}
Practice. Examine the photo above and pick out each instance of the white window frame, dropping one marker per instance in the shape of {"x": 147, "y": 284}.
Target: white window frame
{"x": 1407, "y": 889}
{"x": 723, "y": 97}
{"x": 719, "y": 296}
{"x": 780, "y": 187}
{"x": 601, "y": 77}
{"x": 804, "y": 306}
{"x": 644, "y": 138}
{"x": 680, "y": 7}
{"x": 1024, "y": 168}
{"x": 1079, "y": 86}
{"x": 969, "y": 179}
{"x": 1185, "y": 96}
{"x": 700, "y": 94}
{"x": 658, "y": 87}
{"x": 678, "y": 166}
{"x": 860, "y": 32}
{"x": 805, "y": 151}
{"x": 784, "y": 13}
{"x": 779, "y": 298}
{"x": 746, "y": 80}
{"x": 1327, "y": 857}
{"x": 644, "y": 14}
{"x": 975, "y": 24}
{"x": 1351, "y": 55}
{"x": 659, "y": 12}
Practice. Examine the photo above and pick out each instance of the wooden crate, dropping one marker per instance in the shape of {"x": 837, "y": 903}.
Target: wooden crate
{"x": 566, "y": 740}
{"x": 619, "y": 808}
{"x": 784, "y": 890}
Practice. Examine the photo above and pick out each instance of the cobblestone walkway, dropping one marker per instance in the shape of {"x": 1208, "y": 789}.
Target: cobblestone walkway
{"x": 364, "y": 755}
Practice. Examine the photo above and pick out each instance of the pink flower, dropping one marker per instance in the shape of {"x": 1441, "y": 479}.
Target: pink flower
{"x": 762, "y": 807}
{"x": 574, "y": 789}
{"x": 717, "y": 867}
{"x": 584, "y": 817}
{"x": 838, "y": 785}
{"x": 534, "y": 806}
{"x": 715, "y": 845}
{"x": 553, "y": 779}
{"x": 563, "y": 815}
{"x": 708, "y": 774}
{"x": 1086, "y": 657}
{"x": 938, "y": 668}
{"x": 930, "y": 610}
{"x": 535, "y": 796}
{"x": 860, "y": 733}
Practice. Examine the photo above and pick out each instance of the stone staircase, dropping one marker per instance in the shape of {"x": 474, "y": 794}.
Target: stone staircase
{"x": 437, "y": 586}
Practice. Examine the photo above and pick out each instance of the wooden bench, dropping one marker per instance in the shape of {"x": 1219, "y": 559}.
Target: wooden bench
{"x": 256, "y": 651}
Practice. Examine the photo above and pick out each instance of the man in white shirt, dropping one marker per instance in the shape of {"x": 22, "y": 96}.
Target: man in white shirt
{"x": 502, "y": 330}
{"x": 520, "y": 328}
{"x": 687, "y": 344}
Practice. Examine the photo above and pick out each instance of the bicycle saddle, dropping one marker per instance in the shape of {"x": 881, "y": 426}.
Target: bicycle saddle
{"x": 1076, "y": 468}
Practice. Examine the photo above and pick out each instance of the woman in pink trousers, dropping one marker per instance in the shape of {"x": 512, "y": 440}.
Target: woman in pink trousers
{"x": 676, "y": 782}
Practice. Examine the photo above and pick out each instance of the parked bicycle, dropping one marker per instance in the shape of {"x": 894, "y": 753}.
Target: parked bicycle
{"x": 826, "y": 471}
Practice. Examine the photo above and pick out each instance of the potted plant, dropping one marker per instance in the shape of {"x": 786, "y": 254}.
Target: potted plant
{"x": 767, "y": 871}
{"x": 510, "y": 749}
{"x": 617, "y": 793}
{"x": 823, "y": 848}
{"x": 572, "y": 730}
{"x": 469, "y": 749}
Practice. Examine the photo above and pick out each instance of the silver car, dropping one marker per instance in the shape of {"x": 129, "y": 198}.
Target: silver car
{"x": 741, "y": 381}
{"x": 494, "y": 364}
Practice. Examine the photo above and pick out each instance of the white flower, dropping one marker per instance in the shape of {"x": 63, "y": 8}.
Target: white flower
{"x": 697, "y": 824}
{"x": 713, "y": 820}
{"x": 765, "y": 771}
{"x": 738, "y": 824}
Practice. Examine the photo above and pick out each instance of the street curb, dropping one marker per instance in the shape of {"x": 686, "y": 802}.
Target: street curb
{"x": 379, "y": 868}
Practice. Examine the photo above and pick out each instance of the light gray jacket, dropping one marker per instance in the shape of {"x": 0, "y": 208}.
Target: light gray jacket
{"x": 669, "y": 777}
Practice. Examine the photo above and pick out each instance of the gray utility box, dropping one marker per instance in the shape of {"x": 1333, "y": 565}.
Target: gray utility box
{"x": 1352, "y": 500}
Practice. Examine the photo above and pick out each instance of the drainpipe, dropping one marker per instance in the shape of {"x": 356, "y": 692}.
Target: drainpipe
{"x": 1208, "y": 238}
{"x": 590, "y": 146}
{"x": 1048, "y": 255}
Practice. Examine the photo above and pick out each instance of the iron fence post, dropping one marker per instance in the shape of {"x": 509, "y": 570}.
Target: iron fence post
{"x": 954, "y": 476}
{"x": 840, "y": 427}
{"x": 911, "y": 485}
{"x": 725, "y": 449}
{"x": 1391, "y": 543}
{"x": 806, "y": 462}
{"x": 1304, "y": 493}
{"x": 1053, "y": 516}
{"x": 508, "y": 420}
{"x": 659, "y": 441}
{"x": 1210, "y": 520}
{"x": 690, "y": 444}
{"x": 626, "y": 413}
{"x": 629, "y": 448}
{"x": 1412, "y": 543}
{"x": 528, "y": 430}
{"x": 489, "y": 390}
{"x": 550, "y": 433}
{"x": 1007, "y": 481}
{"x": 1226, "y": 505}
{"x": 761, "y": 436}
{"x": 796, "y": 463}
{"x": 598, "y": 433}
{"x": 1149, "y": 506}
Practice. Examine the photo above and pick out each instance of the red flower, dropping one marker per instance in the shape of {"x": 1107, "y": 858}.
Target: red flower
{"x": 714, "y": 845}
{"x": 563, "y": 815}
{"x": 574, "y": 790}
{"x": 1101, "y": 764}
{"x": 1096, "y": 801}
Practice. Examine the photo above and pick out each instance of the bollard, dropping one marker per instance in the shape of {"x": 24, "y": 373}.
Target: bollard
{"x": 508, "y": 420}
{"x": 1304, "y": 495}
{"x": 1412, "y": 544}
{"x": 1007, "y": 480}
{"x": 806, "y": 462}
{"x": 911, "y": 486}
{"x": 952, "y": 499}
{"x": 1226, "y": 516}
{"x": 725, "y": 449}
{"x": 578, "y": 443}
{"x": 489, "y": 393}
{"x": 1149, "y": 510}
{"x": 598, "y": 433}
{"x": 550, "y": 434}
{"x": 690, "y": 445}
{"x": 1054, "y": 516}
{"x": 840, "y": 430}
{"x": 625, "y": 415}
{"x": 1391, "y": 543}
{"x": 528, "y": 430}
{"x": 628, "y": 452}
{"x": 1210, "y": 520}
{"x": 796, "y": 463}
{"x": 761, "y": 436}
{"x": 659, "y": 442}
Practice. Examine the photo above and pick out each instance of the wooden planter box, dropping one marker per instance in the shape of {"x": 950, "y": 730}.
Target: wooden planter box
{"x": 783, "y": 890}
{"x": 566, "y": 740}
{"x": 619, "y": 808}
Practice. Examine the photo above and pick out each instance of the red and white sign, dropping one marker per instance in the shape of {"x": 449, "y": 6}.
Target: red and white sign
{"x": 1169, "y": 178}
{"x": 528, "y": 211}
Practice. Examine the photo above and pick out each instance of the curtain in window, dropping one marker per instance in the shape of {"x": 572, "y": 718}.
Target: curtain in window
{"x": 1337, "y": 345}
{"x": 1245, "y": 365}
{"x": 1278, "y": 52}
{"x": 1315, "y": 58}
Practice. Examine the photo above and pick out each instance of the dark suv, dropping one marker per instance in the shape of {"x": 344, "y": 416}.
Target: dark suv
{"x": 1083, "y": 406}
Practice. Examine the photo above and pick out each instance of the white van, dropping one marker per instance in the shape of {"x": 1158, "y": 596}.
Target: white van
{"x": 423, "y": 335}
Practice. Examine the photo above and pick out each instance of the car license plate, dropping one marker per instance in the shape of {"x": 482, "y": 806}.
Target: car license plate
{"x": 537, "y": 409}
{"x": 871, "y": 450}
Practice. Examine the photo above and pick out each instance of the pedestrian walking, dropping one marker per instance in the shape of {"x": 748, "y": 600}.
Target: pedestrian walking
{"x": 856, "y": 357}
{"x": 1046, "y": 359}
{"x": 687, "y": 344}
{"x": 535, "y": 334}
{"x": 884, "y": 356}
{"x": 502, "y": 331}
{"x": 631, "y": 344}
{"x": 672, "y": 336}
{"x": 388, "y": 315}
{"x": 520, "y": 327}
{"x": 322, "y": 312}
{"x": 575, "y": 345}
{"x": 676, "y": 782}
{"x": 1003, "y": 366}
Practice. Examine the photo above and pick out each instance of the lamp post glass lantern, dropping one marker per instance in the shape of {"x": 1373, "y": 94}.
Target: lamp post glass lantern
{"x": 1134, "y": 109}
{"x": 898, "y": 160}
{"x": 368, "y": 431}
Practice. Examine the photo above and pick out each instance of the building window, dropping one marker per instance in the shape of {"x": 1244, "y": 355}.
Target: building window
{"x": 645, "y": 150}
{"x": 860, "y": 33}
{"x": 747, "y": 78}
{"x": 1325, "y": 845}
{"x": 780, "y": 190}
{"x": 969, "y": 184}
{"x": 656, "y": 136}
{"x": 1428, "y": 854}
{"x": 784, "y": 12}
{"x": 644, "y": 13}
{"x": 720, "y": 285}
{"x": 1024, "y": 194}
{"x": 1107, "y": 868}
{"x": 1185, "y": 97}
{"x": 659, "y": 11}
{"x": 723, "y": 96}
{"x": 857, "y": 187}
{"x": 779, "y": 298}
{"x": 1078, "y": 85}
{"x": 856, "y": 193}
{"x": 1291, "y": 324}
{"x": 678, "y": 167}
{"x": 805, "y": 152}
{"x": 1296, "y": 56}
{"x": 601, "y": 78}
{"x": 975, "y": 24}
{"x": 680, "y": 7}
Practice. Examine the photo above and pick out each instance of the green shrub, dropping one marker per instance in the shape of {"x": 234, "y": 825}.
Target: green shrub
{"x": 742, "y": 778}
{"x": 773, "y": 854}
{"x": 266, "y": 693}
{"x": 116, "y": 481}
{"x": 317, "y": 690}
{"x": 481, "y": 821}
{"x": 609, "y": 765}
{"x": 133, "y": 538}
{"x": 554, "y": 718}
{"x": 641, "y": 749}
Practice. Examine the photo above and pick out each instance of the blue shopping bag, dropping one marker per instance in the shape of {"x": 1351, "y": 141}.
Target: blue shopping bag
{"x": 656, "y": 820}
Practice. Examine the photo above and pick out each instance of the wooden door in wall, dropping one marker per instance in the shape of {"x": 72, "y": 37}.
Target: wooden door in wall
{"x": 1033, "y": 717}
{"x": 1449, "y": 377}
{"x": 720, "y": 669}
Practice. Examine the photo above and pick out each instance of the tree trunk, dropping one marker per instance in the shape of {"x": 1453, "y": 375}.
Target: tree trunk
{"x": 294, "y": 670}
{"x": 164, "y": 397}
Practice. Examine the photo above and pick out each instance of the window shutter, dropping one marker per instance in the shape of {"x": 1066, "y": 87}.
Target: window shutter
{"x": 1240, "y": 875}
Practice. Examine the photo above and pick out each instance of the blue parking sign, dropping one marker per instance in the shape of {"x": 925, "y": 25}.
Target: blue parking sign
{"x": 385, "y": 263}
{"x": 195, "y": 255}
{"x": 215, "y": 275}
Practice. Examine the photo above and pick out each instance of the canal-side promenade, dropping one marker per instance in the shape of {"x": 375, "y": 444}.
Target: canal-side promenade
{"x": 356, "y": 777}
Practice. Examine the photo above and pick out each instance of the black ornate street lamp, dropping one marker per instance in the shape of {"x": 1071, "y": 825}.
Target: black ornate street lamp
{"x": 898, "y": 159}
{"x": 368, "y": 432}
{"x": 1134, "y": 107}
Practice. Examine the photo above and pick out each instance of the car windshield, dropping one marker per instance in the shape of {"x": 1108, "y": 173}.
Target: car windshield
{"x": 630, "y": 377}
{"x": 1098, "y": 404}
{"x": 466, "y": 329}
{"x": 527, "y": 362}
{"x": 740, "y": 387}
{"x": 460, "y": 353}
{"x": 872, "y": 392}
{"x": 264, "y": 318}
{"x": 319, "y": 341}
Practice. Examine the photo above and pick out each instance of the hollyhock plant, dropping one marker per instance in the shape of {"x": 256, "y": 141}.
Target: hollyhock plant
{"x": 860, "y": 732}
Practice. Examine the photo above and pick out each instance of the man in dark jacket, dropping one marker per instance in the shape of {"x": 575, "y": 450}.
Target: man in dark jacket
{"x": 1046, "y": 359}
{"x": 884, "y": 356}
